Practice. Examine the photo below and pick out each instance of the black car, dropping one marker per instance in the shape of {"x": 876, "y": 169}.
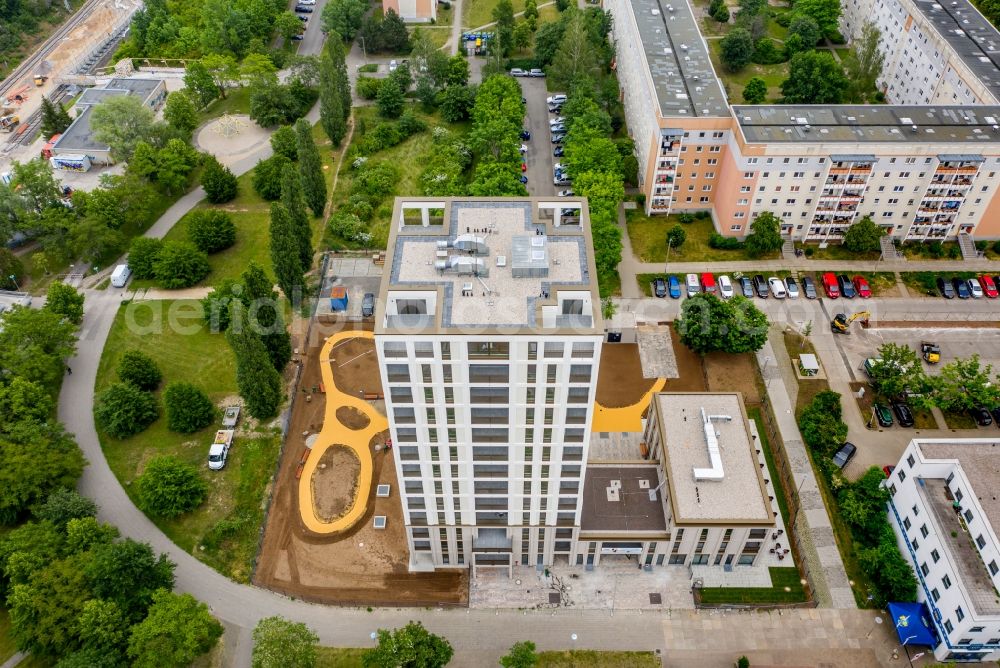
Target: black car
{"x": 557, "y": 152}
{"x": 368, "y": 305}
{"x": 809, "y": 287}
{"x": 996, "y": 415}
{"x": 961, "y": 288}
{"x": 525, "y": 135}
{"x": 303, "y": 9}
{"x": 844, "y": 455}
{"x": 846, "y": 286}
{"x": 760, "y": 285}
{"x": 304, "y": 19}
{"x": 660, "y": 288}
{"x": 981, "y": 416}
{"x": 903, "y": 414}
{"x": 746, "y": 285}
{"x": 298, "y": 38}
{"x": 883, "y": 415}
{"x": 945, "y": 288}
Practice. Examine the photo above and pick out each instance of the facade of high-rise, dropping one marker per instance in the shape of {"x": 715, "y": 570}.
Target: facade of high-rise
{"x": 488, "y": 332}
{"x": 924, "y": 167}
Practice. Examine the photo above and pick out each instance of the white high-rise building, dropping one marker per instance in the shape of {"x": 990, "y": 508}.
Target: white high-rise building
{"x": 488, "y": 332}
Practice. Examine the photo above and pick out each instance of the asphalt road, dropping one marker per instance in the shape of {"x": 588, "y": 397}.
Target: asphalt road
{"x": 539, "y": 157}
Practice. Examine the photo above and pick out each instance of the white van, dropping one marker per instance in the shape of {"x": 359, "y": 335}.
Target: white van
{"x": 119, "y": 277}
{"x": 693, "y": 285}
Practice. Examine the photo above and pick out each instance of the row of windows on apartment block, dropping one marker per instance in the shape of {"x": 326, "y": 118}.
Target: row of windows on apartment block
{"x": 496, "y": 470}
{"x": 486, "y": 349}
{"x": 512, "y": 453}
{"x": 491, "y": 395}
{"x": 531, "y": 488}
{"x": 489, "y": 373}
{"x": 493, "y": 415}
{"x": 747, "y": 555}
{"x": 505, "y": 502}
{"x": 532, "y": 539}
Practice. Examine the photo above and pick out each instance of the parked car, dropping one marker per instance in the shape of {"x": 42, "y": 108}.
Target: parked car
{"x": 535, "y": 72}
{"x": 297, "y": 38}
{"x": 760, "y": 286}
{"x": 981, "y": 416}
{"x": 555, "y": 108}
{"x": 562, "y": 180}
{"x": 524, "y": 148}
{"x": 557, "y": 152}
{"x": 861, "y": 285}
{"x": 304, "y": 19}
{"x": 307, "y": 2}
{"x": 725, "y": 287}
{"x": 368, "y": 305}
{"x": 846, "y": 287}
{"x": 961, "y": 288}
{"x": 302, "y": 9}
{"x": 746, "y": 287}
{"x": 996, "y": 415}
{"x": 565, "y": 193}
{"x": 708, "y": 283}
{"x": 844, "y": 455}
{"x": 989, "y": 287}
{"x": 777, "y": 287}
{"x": 945, "y": 287}
{"x": 975, "y": 289}
{"x": 792, "y": 288}
{"x": 887, "y": 470}
{"x": 693, "y": 285}
{"x": 660, "y": 288}
{"x": 558, "y": 167}
{"x": 830, "y": 285}
{"x": 558, "y": 98}
{"x": 524, "y": 166}
{"x": 557, "y": 120}
{"x": 674, "y": 286}
{"x": 809, "y": 287}
{"x": 903, "y": 414}
{"x": 518, "y": 72}
{"x": 558, "y": 138}
{"x": 524, "y": 179}
{"x": 525, "y": 135}
{"x": 559, "y": 128}
{"x": 217, "y": 455}
{"x": 883, "y": 415}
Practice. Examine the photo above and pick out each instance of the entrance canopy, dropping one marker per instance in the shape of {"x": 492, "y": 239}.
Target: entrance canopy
{"x": 913, "y": 624}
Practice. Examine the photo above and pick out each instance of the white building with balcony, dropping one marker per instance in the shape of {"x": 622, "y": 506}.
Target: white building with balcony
{"x": 945, "y": 510}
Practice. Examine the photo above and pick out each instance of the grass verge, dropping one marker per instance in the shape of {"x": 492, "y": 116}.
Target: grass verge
{"x": 786, "y": 588}
{"x": 836, "y": 252}
{"x": 959, "y": 420}
{"x": 925, "y": 282}
{"x": 772, "y": 469}
{"x": 648, "y": 235}
{"x": 594, "y": 659}
{"x": 339, "y": 657}
{"x": 223, "y": 531}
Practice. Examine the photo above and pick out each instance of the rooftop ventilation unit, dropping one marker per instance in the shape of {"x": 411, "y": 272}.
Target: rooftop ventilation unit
{"x": 712, "y": 441}
{"x": 462, "y": 265}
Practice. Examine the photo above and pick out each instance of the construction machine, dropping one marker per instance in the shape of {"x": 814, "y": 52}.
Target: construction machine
{"x": 841, "y": 323}
{"x": 40, "y": 80}
{"x": 9, "y": 122}
{"x": 930, "y": 351}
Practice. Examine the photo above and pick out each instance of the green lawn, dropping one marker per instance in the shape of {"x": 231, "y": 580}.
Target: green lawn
{"x": 7, "y": 647}
{"x": 33, "y": 661}
{"x": 787, "y": 588}
{"x": 837, "y": 252}
{"x": 476, "y": 13}
{"x": 223, "y": 531}
{"x": 779, "y": 488}
{"x": 925, "y": 282}
{"x": 959, "y": 420}
{"x": 594, "y": 659}
{"x": 734, "y": 82}
{"x": 237, "y": 102}
{"x": 649, "y": 240}
{"x": 339, "y": 657}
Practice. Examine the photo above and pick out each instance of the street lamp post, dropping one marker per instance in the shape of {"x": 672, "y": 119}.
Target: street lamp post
{"x": 13, "y": 279}
{"x": 670, "y": 243}
{"x": 364, "y": 53}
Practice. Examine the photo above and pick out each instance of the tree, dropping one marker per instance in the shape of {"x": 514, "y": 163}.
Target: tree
{"x": 295, "y": 204}
{"x": 177, "y": 630}
{"x": 390, "y": 99}
{"x": 138, "y": 369}
{"x": 55, "y": 118}
{"x": 218, "y": 181}
{"x": 814, "y": 77}
{"x": 211, "y": 230}
{"x": 458, "y": 71}
{"x": 256, "y": 377}
{"x": 283, "y": 142}
{"x": 168, "y": 487}
{"x": 64, "y": 505}
{"x": 124, "y": 410}
{"x": 864, "y": 67}
{"x": 65, "y": 301}
{"x": 173, "y": 163}
{"x": 180, "y": 113}
{"x": 821, "y": 425}
{"x": 285, "y": 252}
{"x": 188, "y": 407}
{"x": 826, "y": 14}
{"x": 121, "y": 122}
{"x": 521, "y": 37}
{"x": 36, "y": 186}
{"x": 267, "y": 176}
{"x": 103, "y": 630}
{"x": 198, "y": 81}
{"x": 411, "y": 646}
{"x": 25, "y": 407}
{"x": 180, "y": 264}
{"x": 223, "y": 68}
{"x": 709, "y": 324}
{"x": 142, "y": 256}
{"x": 23, "y": 483}
{"x": 765, "y": 235}
{"x": 521, "y": 655}
{"x": 45, "y": 609}
{"x": 891, "y": 574}
{"x": 806, "y": 28}
{"x": 392, "y": 33}
{"x": 736, "y": 49}
{"x": 864, "y": 236}
{"x": 344, "y": 17}
{"x": 755, "y": 92}
{"x": 897, "y": 370}
{"x": 503, "y": 19}
{"x": 332, "y": 72}
{"x": 965, "y": 384}
{"x": 310, "y": 168}
{"x": 531, "y": 13}
{"x": 34, "y": 344}
{"x": 719, "y": 11}
{"x": 128, "y": 573}
{"x": 279, "y": 643}
{"x": 575, "y": 63}
{"x": 456, "y": 103}
{"x": 676, "y": 236}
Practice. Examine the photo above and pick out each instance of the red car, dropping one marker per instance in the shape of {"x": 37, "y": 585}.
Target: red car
{"x": 861, "y": 285}
{"x": 830, "y": 285}
{"x": 887, "y": 470}
{"x": 708, "y": 283}
{"x": 524, "y": 167}
{"x": 989, "y": 287}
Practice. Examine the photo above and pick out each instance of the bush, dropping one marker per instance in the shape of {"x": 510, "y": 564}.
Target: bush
{"x": 766, "y": 52}
{"x": 188, "y": 408}
{"x": 996, "y": 246}
{"x": 703, "y": 215}
{"x": 686, "y": 218}
{"x": 283, "y": 142}
{"x": 376, "y": 180}
{"x": 169, "y": 487}
{"x": 784, "y": 19}
{"x": 837, "y": 38}
{"x": 676, "y": 236}
{"x": 821, "y": 424}
{"x": 716, "y": 240}
{"x": 379, "y": 138}
{"x": 211, "y": 230}
{"x": 124, "y": 410}
{"x": 180, "y": 265}
{"x": 219, "y": 183}
{"x": 640, "y": 200}
{"x": 349, "y": 227}
{"x": 358, "y": 205}
{"x": 266, "y": 178}
{"x": 409, "y": 124}
{"x": 137, "y": 368}
{"x": 142, "y": 257}
{"x": 368, "y": 87}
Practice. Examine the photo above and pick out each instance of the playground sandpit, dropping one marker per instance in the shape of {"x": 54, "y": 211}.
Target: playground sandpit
{"x": 231, "y": 137}
{"x": 335, "y": 483}
{"x": 352, "y": 418}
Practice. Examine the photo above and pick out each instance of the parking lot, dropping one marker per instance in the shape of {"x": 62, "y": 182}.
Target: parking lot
{"x": 539, "y": 156}
{"x": 358, "y": 275}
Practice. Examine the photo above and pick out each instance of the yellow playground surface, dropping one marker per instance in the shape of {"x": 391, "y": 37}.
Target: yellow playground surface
{"x": 627, "y": 418}
{"x": 334, "y": 432}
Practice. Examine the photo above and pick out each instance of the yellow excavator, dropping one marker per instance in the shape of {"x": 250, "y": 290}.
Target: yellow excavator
{"x": 841, "y": 323}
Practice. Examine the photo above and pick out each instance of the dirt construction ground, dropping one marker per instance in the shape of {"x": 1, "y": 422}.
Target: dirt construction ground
{"x": 363, "y": 566}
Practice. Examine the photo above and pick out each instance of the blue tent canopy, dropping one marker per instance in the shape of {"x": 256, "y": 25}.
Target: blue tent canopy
{"x": 913, "y": 624}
